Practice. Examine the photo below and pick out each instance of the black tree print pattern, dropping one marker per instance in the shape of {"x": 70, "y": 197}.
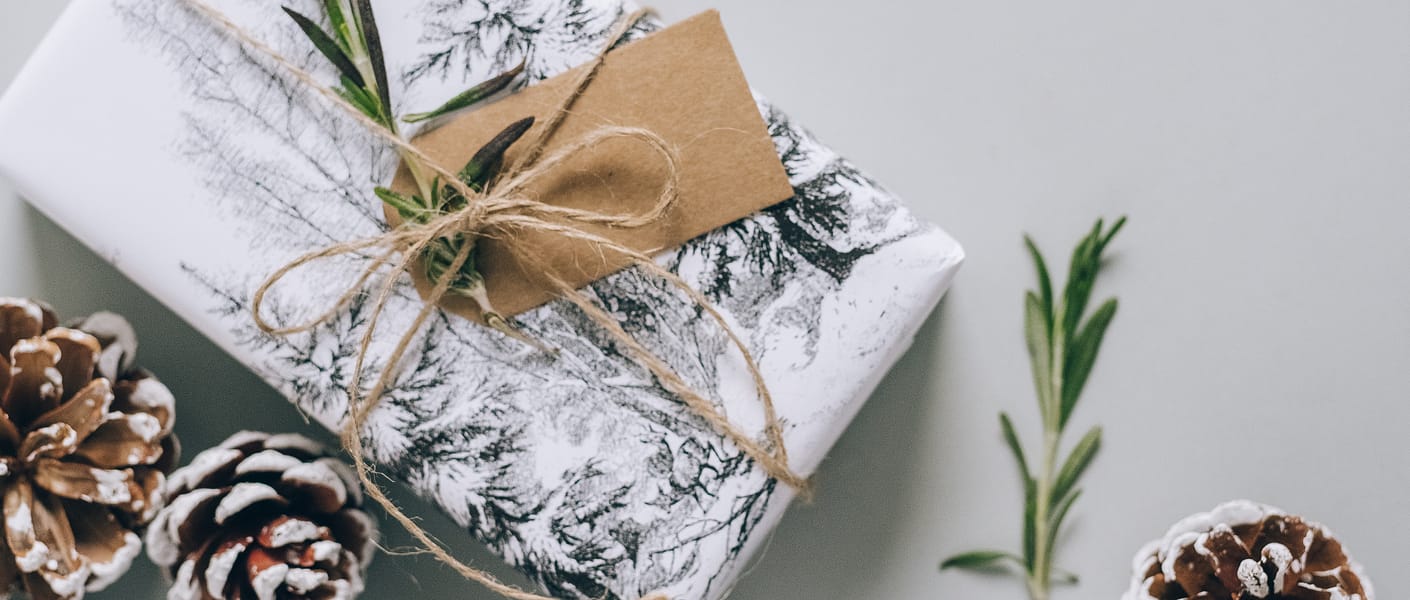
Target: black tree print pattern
{"x": 578, "y": 469}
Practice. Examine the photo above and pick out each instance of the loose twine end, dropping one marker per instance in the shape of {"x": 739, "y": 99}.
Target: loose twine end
{"x": 503, "y": 208}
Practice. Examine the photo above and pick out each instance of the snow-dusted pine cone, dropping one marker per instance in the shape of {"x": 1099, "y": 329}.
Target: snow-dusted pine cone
{"x": 84, "y": 442}
{"x": 1243, "y": 550}
{"x": 263, "y": 517}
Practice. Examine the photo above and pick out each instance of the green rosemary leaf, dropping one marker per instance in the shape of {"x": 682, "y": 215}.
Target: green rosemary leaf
{"x": 1045, "y": 284}
{"x": 1060, "y": 515}
{"x": 404, "y": 206}
{"x": 339, "y": 23}
{"x": 438, "y": 196}
{"x": 978, "y": 559}
{"x": 438, "y": 258}
{"x": 347, "y": 94}
{"x": 1082, "y": 355}
{"x": 1040, "y": 350}
{"x": 485, "y": 163}
{"x": 358, "y": 97}
{"x": 373, "y": 40}
{"x": 448, "y": 198}
{"x": 442, "y": 253}
{"x": 325, "y": 44}
{"x": 1115, "y": 227}
{"x": 1081, "y": 277}
{"x": 1060, "y": 512}
{"x": 470, "y": 96}
{"x": 1077, "y": 462}
{"x": 1012, "y": 439}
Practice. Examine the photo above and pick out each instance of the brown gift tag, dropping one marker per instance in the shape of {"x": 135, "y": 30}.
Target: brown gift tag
{"x": 682, "y": 83}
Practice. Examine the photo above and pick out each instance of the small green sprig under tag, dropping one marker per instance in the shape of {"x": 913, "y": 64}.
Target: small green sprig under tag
{"x": 1062, "y": 348}
{"x": 354, "y": 48}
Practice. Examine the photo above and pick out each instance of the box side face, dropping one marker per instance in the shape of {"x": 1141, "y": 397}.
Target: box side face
{"x": 579, "y": 469}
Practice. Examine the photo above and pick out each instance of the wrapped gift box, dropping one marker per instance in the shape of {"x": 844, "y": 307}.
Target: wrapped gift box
{"x": 197, "y": 170}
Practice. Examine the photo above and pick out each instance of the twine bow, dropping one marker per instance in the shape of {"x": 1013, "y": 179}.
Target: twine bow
{"x": 502, "y": 207}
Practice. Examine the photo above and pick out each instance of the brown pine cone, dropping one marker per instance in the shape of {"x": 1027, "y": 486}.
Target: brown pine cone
{"x": 84, "y": 443}
{"x": 263, "y": 517}
{"x": 1242, "y": 550}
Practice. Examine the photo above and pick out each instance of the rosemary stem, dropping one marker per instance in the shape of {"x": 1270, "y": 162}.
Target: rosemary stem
{"x": 424, "y": 182}
{"x": 496, "y": 321}
{"x": 1040, "y": 579}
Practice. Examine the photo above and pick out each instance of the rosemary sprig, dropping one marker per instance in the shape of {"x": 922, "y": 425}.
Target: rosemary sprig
{"x": 354, "y": 48}
{"x": 1062, "y": 348}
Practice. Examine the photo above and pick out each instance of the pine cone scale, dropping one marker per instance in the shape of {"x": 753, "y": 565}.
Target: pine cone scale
{"x": 50, "y": 441}
{"x": 35, "y": 385}
{"x": 21, "y": 319}
{"x": 146, "y": 396}
{"x": 20, "y": 533}
{"x": 218, "y": 567}
{"x": 1326, "y": 556}
{"x": 84, "y": 411}
{"x": 209, "y": 469}
{"x": 78, "y": 353}
{"x": 169, "y": 539}
{"x": 42, "y": 541}
{"x": 88, "y": 484}
{"x": 129, "y": 440}
{"x": 101, "y": 537}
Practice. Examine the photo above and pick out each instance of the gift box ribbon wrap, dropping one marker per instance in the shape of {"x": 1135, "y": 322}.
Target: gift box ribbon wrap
{"x": 198, "y": 170}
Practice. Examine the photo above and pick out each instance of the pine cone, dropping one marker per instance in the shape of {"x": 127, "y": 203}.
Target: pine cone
{"x": 262, "y": 517}
{"x": 1243, "y": 550}
{"x": 84, "y": 443}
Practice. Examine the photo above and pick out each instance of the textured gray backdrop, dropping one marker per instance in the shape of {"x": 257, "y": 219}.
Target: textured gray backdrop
{"x": 1262, "y": 151}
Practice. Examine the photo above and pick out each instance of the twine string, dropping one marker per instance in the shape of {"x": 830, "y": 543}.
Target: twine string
{"x": 503, "y": 207}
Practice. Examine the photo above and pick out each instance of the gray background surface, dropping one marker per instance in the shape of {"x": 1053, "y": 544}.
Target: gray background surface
{"x": 1262, "y": 151}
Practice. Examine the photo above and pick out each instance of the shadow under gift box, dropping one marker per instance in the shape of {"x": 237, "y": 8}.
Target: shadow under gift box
{"x": 198, "y": 170}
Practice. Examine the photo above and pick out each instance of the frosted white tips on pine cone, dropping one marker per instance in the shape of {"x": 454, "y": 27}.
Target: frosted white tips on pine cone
{"x": 245, "y": 496}
{"x": 81, "y": 463}
{"x": 118, "y": 552}
{"x": 1244, "y": 550}
{"x": 263, "y": 516}
{"x": 118, "y": 339}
